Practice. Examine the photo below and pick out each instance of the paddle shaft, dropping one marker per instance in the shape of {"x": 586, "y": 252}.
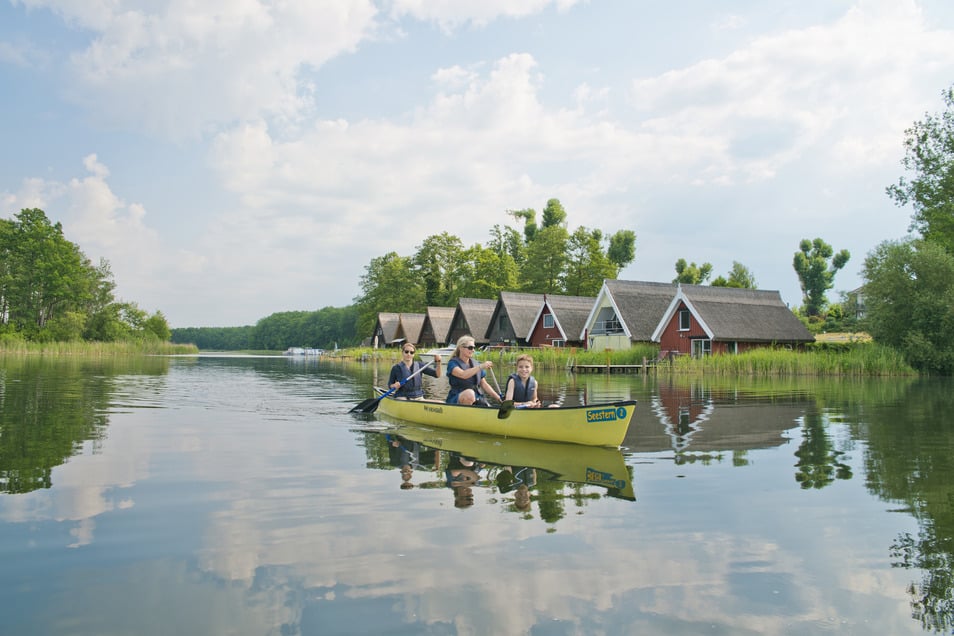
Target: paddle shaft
{"x": 367, "y": 406}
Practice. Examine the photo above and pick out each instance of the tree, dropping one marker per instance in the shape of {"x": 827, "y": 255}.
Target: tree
{"x": 586, "y": 264}
{"x": 739, "y": 277}
{"x": 692, "y": 274}
{"x": 909, "y": 301}
{"x": 554, "y": 214}
{"x": 44, "y": 274}
{"x": 622, "y": 249}
{"x": 436, "y": 261}
{"x": 815, "y": 276}
{"x": 389, "y": 284}
{"x": 929, "y": 154}
{"x": 157, "y": 326}
{"x": 543, "y": 270}
{"x": 486, "y": 273}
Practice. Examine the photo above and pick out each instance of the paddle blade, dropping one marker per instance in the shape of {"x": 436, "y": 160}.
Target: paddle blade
{"x": 368, "y": 406}
{"x": 506, "y": 407}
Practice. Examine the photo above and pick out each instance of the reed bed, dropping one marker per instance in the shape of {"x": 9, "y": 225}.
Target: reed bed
{"x": 855, "y": 360}
{"x": 18, "y": 346}
{"x": 865, "y": 360}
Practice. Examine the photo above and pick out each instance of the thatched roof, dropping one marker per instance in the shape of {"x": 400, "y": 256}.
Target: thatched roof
{"x": 438, "y": 320}
{"x": 472, "y": 317}
{"x": 386, "y": 328}
{"x": 748, "y": 315}
{"x": 521, "y": 310}
{"x": 569, "y": 312}
{"x": 639, "y": 305}
{"x": 411, "y": 325}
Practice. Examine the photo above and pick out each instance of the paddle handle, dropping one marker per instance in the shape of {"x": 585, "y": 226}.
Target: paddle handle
{"x": 405, "y": 380}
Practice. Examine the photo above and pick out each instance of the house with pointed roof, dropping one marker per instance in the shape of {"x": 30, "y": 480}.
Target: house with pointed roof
{"x": 625, "y": 312}
{"x": 386, "y": 329}
{"x": 702, "y": 320}
{"x": 559, "y": 321}
{"x": 513, "y": 317}
{"x": 437, "y": 322}
{"x": 471, "y": 317}
{"x": 410, "y": 328}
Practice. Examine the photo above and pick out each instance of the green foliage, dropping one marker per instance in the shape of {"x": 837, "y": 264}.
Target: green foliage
{"x": 543, "y": 270}
{"x": 437, "y": 263}
{"x": 929, "y": 154}
{"x": 390, "y": 283}
{"x": 586, "y": 265}
{"x": 815, "y": 276}
{"x": 909, "y": 298}
{"x": 692, "y": 274}
{"x": 739, "y": 277}
{"x": 50, "y": 291}
{"x": 621, "y": 250}
{"x": 215, "y": 338}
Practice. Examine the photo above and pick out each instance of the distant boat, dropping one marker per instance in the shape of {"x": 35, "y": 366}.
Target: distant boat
{"x": 444, "y": 352}
{"x": 303, "y": 351}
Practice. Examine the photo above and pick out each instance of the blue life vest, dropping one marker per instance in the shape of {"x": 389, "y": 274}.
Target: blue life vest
{"x": 521, "y": 392}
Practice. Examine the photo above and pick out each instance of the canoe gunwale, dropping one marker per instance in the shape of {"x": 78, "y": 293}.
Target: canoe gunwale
{"x": 603, "y": 424}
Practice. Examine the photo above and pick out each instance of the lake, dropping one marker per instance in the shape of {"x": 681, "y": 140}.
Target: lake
{"x": 238, "y": 495}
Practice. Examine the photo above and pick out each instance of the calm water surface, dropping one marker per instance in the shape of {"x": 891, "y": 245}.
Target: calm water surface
{"x": 233, "y": 495}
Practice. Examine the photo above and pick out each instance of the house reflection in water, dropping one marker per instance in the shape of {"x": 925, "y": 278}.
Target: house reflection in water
{"x": 693, "y": 417}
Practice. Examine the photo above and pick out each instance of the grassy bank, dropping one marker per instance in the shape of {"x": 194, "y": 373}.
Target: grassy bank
{"x": 856, "y": 360}
{"x": 16, "y": 346}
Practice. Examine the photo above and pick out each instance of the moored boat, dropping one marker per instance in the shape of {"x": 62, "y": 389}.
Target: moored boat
{"x": 593, "y": 425}
{"x": 444, "y": 352}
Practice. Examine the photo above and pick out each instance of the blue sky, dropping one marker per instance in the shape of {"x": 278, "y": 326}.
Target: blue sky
{"x": 235, "y": 159}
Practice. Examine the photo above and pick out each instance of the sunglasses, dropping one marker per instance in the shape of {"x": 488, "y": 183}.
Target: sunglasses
{"x": 409, "y": 351}
{"x": 471, "y": 347}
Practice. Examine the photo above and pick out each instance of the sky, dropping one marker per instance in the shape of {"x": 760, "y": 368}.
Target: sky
{"x": 236, "y": 158}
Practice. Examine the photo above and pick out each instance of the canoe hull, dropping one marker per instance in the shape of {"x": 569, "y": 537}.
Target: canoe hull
{"x": 594, "y": 425}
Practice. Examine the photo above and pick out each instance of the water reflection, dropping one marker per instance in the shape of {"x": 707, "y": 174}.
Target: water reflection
{"x": 236, "y": 496}
{"x": 513, "y": 472}
{"x": 46, "y": 418}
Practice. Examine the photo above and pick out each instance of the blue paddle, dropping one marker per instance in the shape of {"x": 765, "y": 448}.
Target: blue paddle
{"x": 371, "y": 404}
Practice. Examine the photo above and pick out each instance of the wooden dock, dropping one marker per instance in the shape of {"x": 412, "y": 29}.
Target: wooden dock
{"x": 645, "y": 367}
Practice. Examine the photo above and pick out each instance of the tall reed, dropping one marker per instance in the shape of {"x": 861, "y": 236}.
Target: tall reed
{"x": 18, "y": 346}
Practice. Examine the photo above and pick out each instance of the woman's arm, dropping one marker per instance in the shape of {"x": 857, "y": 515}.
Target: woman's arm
{"x": 489, "y": 390}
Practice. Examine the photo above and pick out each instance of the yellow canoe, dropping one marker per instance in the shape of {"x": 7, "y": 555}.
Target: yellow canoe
{"x": 571, "y": 463}
{"x": 594, "y": 425}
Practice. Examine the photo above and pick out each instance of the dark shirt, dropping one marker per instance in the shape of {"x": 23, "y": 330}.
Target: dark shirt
{"x": 414, "y": 388}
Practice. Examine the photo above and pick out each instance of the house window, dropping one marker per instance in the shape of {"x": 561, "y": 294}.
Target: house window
{"x": 504, "y": 323}
{"x": 607, "y": 322}
{"x": 548, "y": 321}
{"x": 701, "y": 348}
{"x": 558, "y": 343}
{"x": 684, "y": 320}
{"x": 732, "y": 347}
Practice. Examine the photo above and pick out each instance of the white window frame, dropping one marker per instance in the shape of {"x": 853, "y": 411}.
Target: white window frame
{"x": 700, "y": 347}
{"x": 548, "y": 321}
{"x": 688, "y": 316}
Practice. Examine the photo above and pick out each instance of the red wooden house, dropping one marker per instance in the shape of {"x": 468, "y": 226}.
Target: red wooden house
{"x": 704, "y": 320}
{"x": 560, "y": 321}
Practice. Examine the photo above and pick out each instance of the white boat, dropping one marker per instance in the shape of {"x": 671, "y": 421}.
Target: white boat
{"x": 444, "y": 352}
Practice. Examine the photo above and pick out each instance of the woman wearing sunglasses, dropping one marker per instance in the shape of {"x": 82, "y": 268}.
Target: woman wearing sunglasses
{"x": 467, "y": 378}
{"x": 414, "y": 388}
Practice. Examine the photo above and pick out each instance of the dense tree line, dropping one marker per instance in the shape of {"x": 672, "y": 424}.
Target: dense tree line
{"x": 909, "y": 283}
{"x": 544, "y": 258}
{"x": 322, "y": 329}
{"x": 50, "y": 290}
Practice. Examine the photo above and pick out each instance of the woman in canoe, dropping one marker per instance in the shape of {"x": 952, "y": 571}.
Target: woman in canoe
{"x": 467, "y": 378}
{"x": 413, "y": 389}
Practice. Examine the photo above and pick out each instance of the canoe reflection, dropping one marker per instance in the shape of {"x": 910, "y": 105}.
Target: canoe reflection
{"x": 516, "y": 469}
